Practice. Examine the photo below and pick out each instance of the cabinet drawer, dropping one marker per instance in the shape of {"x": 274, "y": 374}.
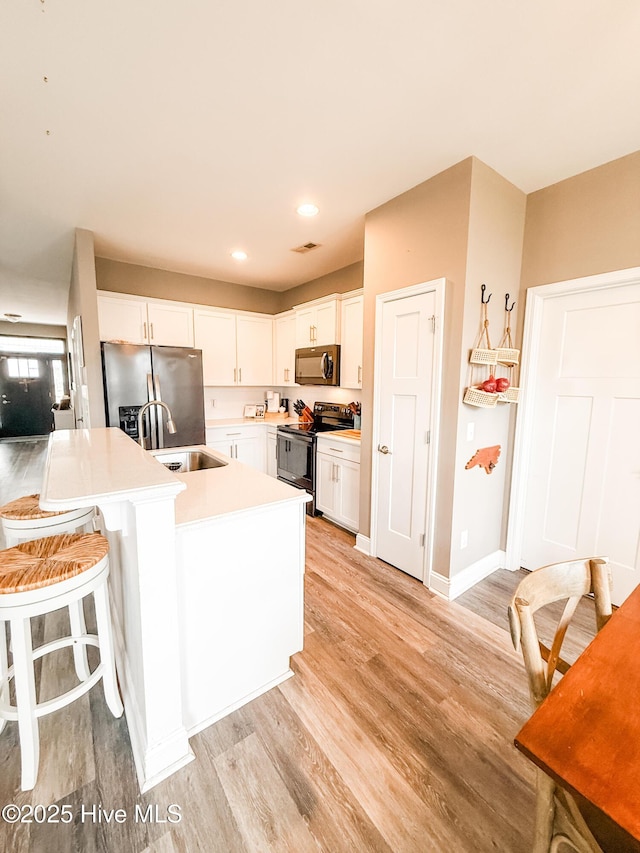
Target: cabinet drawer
{"x": 338, "y": 449}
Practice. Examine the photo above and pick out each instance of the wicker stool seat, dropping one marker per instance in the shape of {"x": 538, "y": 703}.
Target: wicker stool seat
{"x": 38, "y": 577}
{"x": 23, "y": 519}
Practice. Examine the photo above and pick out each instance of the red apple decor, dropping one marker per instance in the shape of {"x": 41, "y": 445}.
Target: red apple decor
{"x": 502, "y": 383}
{"x": 490, "y": 385}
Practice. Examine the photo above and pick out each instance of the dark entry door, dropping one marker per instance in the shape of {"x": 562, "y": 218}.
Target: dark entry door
{"x": 26, "y": 395}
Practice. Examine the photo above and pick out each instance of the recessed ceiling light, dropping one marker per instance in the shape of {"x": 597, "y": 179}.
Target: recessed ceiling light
{"x": 239, "y": 255}
{"x": 308, "y": 210}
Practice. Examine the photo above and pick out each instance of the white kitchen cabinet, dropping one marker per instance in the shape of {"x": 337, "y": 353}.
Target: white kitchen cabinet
{"x": 122, "y": 319}
{"x": 272, "y": 452}
{"x": 317, "y": 324}
{"x": 170, "y": 325}
{"x": 244, "y": 443}
{"x": 351, "y": 338}
{"x": 338, "y": 481}
{"x": 236, "y": 349}
{"x": 138, "y": 321}
{"x": 285, "y": 335}
{"x": 254, "y": 350}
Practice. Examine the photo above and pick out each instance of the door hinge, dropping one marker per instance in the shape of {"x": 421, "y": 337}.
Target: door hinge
{"x": 432, "y": 320}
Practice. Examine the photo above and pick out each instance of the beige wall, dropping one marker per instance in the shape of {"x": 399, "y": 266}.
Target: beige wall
{"x": 494, "y": 254}
{"x": 419, "y": 236}
{"x": 83, "y": 302}
{"x": 584, "y": 225}
{"x": 32, "y": 330}
{"x": 340, "y": 281}
{"x": 161, "y": 284}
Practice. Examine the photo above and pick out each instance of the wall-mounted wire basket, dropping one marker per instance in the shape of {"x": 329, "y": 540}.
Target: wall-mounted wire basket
{"x": 481, "y": 399}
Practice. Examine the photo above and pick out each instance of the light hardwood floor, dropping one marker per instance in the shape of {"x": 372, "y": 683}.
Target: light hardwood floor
{"x": 395, "y": 733}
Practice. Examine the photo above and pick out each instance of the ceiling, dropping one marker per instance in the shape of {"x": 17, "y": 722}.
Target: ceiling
{"x": 177, "y": 132}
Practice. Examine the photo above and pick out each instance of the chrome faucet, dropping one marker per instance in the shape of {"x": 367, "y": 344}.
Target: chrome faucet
{"x": 171, "y": 427}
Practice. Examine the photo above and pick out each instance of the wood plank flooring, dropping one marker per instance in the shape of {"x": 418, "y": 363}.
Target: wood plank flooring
{"x": 395, "y": 733}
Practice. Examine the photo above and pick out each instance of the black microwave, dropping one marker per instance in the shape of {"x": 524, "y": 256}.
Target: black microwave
{"x": 318, "y": 365}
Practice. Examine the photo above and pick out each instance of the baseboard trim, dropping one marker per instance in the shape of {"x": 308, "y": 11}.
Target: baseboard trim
{"x": 363, "y": 544}
{"x": 451, "y": 588}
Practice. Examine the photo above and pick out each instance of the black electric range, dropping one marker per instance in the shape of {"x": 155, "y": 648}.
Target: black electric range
{"x": 296, "y": 446}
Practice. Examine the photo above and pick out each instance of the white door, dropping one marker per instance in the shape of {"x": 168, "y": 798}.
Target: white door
{"x": 583, "y": 484}
{"x": 406, "y": 366}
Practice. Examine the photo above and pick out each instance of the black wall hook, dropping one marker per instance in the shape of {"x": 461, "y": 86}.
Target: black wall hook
{"x": 506, "y": 303}
{"x": 482, "y": 299}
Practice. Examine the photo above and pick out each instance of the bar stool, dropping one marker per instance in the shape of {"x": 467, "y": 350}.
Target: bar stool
{"x": 23, "y": 520}
{"x": 38, "y": 577}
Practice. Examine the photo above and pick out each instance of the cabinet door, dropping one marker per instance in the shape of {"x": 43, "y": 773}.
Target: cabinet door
{"x": 170, "y": 325}
{"x": 255, "y": 350}
{"x": 326, "y": 484}
{"x": 285, "y": 334}
{"x": 215, "y": 335}
{"x": 305, "y": 325}
{"x": 272, "y": 462}
{"x": 251, "y": 451}
{"x": 222, "y": 445}
{"x": 122, "y": 319}
{"x": 351, "y": 343}
{"x": 348, "y": 493}
{"x": 326, "y": 323}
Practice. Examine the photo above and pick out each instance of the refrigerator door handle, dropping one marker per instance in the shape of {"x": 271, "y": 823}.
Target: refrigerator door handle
{"x": 156, "y": 382}
{"x": 152, "y": 412}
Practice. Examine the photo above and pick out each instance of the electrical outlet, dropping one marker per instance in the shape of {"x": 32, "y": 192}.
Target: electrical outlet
{"x": 471, "y": 428}
{"x": 464, "y": 539}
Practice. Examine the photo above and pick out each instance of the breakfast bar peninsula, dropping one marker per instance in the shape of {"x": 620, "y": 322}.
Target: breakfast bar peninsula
{"x": 206, "y": 611}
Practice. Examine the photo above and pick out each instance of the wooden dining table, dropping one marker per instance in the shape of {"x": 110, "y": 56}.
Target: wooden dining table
{"x": 586, "y": 733}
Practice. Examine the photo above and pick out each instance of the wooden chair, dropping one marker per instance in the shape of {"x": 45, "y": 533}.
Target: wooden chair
{"x": 558, "y": 819}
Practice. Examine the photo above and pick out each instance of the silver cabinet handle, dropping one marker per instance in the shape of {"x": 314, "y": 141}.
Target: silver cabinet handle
{"x": 144, "y": 331}
{"x": 336, "y": 450}
{"x": 234, "y": 433}
{"x": 239, "y": 374}
{"x": 382, "y": 448}
{"x": 337, "y": 473}
{"x": 235, "y": 374}
{"x": 151, "y": 330}
{"x": 359, "y": 374}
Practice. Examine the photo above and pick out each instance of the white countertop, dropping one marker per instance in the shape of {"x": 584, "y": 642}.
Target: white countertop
{"x": 233, "y": 488}
{"x": 86, "y": 466}
{"x": 342, "y": 436}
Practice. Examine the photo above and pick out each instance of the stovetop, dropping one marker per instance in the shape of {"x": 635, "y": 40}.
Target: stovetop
{"x": 326, "y": 417}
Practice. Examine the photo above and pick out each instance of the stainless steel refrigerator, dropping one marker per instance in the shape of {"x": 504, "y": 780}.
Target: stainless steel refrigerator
{"x": 133, "y": 375}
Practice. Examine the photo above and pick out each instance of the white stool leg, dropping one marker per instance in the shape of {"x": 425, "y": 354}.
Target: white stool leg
{"x": 78, "y": 628}
{"x": 107, "y": 652}
{"x": 25, "y": 701}
{"x": 4, "y": 668}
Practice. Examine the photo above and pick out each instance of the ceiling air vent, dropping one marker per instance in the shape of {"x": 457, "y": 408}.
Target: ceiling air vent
{"x": 307, "y": 247}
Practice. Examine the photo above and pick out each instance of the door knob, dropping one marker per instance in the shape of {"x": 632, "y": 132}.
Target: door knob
{"x": 383, "y": 449}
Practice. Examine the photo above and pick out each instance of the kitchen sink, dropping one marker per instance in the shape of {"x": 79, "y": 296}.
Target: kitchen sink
{"x": 184, "y": 461}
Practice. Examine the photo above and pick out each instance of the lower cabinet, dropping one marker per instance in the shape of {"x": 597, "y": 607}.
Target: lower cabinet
{"x": 338, "y": 481}
{"x": 244, "y": 443}
{"x": 272, "y": 444}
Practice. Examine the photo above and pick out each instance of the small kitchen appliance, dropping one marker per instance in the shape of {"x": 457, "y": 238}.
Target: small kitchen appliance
{"x": 318, "y": 365}
{"x": 273, "y": 401}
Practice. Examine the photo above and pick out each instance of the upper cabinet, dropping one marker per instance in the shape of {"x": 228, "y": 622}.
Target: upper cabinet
{"x": 317, "y": 323}
{"x": 140, "y": 321}
{"x": 237, "y": 348}
{"x": 351, "y": 342}
{"x": 285, "y": 335}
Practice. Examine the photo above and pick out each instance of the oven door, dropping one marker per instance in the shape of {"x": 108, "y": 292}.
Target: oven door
{"x": 296, "y": 459}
